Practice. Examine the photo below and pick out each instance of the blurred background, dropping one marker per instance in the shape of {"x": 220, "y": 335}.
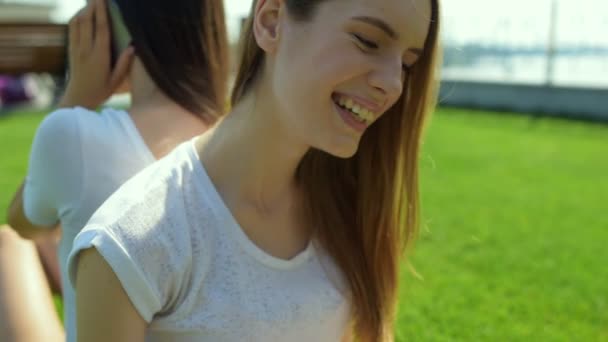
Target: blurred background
{"x": 514, "y": 170}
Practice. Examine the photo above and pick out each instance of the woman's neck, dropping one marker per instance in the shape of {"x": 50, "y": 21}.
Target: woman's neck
{"x": 145, "y": 93}
{"x": 251, "y": 156}
{"x": 161, "y": 122}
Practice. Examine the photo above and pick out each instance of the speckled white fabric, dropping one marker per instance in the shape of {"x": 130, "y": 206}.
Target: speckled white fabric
{"x": 193, "y": 274}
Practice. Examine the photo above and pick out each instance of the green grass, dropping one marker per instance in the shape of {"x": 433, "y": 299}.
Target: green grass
{"x": 16, "y": 133}
{"x": 515, "y": 242}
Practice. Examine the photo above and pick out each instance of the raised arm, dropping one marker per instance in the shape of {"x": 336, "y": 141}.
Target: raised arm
{"x": 92, "y": 80}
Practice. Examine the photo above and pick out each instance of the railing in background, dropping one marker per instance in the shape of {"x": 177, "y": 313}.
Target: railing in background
{"x": 561, "y": 44}
{"x": 517, "y": 41}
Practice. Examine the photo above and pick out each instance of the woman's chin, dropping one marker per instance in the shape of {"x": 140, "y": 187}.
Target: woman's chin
{"x": 343, "y": 151}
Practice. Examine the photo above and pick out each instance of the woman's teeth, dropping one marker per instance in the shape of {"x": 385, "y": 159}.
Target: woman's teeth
{"x": 361, "y": 113}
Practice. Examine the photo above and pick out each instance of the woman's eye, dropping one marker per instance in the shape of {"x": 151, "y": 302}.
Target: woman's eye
{"x": 367, "y": 43}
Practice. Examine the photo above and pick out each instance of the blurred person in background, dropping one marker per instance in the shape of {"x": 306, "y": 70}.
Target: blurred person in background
{"x": 13, "y": 91}
{"x": 176, "y": 70}
{"x": 287, "y": 220}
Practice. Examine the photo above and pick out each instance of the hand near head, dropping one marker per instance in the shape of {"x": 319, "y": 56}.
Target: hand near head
{"x": 92, "y": 79}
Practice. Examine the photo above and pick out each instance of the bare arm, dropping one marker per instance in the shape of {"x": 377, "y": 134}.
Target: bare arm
{"x": 18, "y": 221}
{"x": 104, "y": 311}
{"x": 92, "y": 81}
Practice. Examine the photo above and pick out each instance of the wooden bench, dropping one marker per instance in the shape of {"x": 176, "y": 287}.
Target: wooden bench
{"x": 33, "y": 47}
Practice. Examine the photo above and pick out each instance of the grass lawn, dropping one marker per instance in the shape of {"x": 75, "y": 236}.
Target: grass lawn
{"x": 515, "y": 246}
{"x": 515, "y": 242}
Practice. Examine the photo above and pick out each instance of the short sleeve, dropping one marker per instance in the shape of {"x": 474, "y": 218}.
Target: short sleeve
{"x": 54, "y": 177}
{"x": 148, "y": 249}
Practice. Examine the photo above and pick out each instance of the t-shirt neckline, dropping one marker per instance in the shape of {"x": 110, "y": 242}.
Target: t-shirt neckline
{"x": 234, "y": 228}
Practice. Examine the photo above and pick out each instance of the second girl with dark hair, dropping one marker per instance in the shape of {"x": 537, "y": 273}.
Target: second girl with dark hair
{"x": 177, "y": 80}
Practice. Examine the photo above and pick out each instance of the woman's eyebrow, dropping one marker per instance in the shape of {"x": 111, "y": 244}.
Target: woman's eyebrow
{"x": 379, "y": 23}
{"x": 386, "y": 28}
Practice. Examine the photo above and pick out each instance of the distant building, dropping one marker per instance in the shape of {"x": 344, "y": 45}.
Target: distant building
{"x": 29, "y": 39}
{"x": 33, "y": 11}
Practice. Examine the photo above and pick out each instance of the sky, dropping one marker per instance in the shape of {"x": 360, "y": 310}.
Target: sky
{"x": 513, "y": 22}
{"x": 518, "y": 22}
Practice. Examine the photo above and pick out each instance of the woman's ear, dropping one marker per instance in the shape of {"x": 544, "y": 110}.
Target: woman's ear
{"x": 266, "y": 24}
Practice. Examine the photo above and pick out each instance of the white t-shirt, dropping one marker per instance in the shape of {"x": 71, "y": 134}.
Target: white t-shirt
{"x": 78, "y": 159}
{"x": 194, "y": 275}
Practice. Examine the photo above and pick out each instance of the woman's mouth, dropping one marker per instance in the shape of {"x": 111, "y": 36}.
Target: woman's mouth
{"x": 358, "y": 112}
{"x": 355, "y": 116}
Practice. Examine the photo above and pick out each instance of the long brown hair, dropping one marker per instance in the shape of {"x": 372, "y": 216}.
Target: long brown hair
{"x": 366, "y": 208}
{"x": 183, "y": 47}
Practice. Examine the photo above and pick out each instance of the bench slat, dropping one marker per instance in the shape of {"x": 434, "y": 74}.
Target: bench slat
{"x": 32, "y": 47}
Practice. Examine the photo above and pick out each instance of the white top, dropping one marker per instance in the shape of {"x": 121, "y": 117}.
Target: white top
{"x": 78, "y": 159}
{"x": 194, "y": 275}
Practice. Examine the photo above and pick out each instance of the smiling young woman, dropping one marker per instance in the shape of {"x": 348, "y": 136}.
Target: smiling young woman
{"x": 288, "y": 219}
{"x": 365, "y": 209}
